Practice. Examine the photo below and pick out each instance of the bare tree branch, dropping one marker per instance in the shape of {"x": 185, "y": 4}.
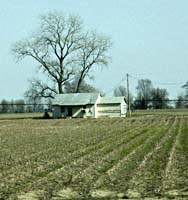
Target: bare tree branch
{"x": 92, "y": 53}
{"x": 63, "y": 51}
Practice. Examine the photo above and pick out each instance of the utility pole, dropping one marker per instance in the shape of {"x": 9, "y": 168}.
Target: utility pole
{"x": 128, "y": 96}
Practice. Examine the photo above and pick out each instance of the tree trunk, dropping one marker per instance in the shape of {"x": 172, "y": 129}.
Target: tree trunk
{"x": 79, "y": 82}
{"x": 60, "y": 88}
{"x": 78, "y": 85}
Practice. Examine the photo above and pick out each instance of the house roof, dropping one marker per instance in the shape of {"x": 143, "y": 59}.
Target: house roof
{"x": 112, "y": 100}
{"x": 74, "y": 99}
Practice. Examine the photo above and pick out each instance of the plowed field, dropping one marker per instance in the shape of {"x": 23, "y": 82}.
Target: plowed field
{"x": 138, "y": 157}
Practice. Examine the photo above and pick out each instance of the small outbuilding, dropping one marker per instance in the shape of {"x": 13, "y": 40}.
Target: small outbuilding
{"x": 91, "y": 105}
{"x": 112, "y": 107}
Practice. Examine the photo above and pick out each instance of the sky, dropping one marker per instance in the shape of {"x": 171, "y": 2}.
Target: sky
{"x": 150, "y": 40}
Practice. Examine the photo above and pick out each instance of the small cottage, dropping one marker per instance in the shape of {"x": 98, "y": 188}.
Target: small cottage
{"x": 112, "y": 107}
{"x": 75, "y": 105}
{"x": 85, "y": 105}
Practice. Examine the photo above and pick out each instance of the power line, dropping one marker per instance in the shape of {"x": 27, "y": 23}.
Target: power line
{"x": 158, "y": 100}
{"x": 136, "y": 78}
{"x": 158, "y": 83}
{"x": 119, "y": 83}
{"x": 178, "y": 83}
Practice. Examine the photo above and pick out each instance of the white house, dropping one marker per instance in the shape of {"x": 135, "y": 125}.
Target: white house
{"x": 88, "y": 105}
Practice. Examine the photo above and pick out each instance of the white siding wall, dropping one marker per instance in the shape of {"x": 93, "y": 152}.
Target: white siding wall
{"x": 123, "y": 109}
{"x": 109, "y": 110}
{"x": 95, "y": 107}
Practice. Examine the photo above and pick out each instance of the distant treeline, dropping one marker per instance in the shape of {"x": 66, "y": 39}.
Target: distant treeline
{"x": 20, "y": 106}
{"x": 159, "y": 104}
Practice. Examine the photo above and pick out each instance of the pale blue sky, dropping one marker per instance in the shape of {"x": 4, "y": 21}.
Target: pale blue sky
{"x": 150, "y": 40}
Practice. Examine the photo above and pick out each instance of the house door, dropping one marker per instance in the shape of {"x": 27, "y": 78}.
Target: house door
{"x": 69, "y": 112}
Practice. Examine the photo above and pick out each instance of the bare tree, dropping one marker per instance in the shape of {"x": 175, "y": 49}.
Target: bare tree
{"x": 34, "y": 94}
{"x": 181, "y": 101}
{"x": 144, "y": 90}
{"x": 19, "y": 105}
{"x": 185, "y": 87}
{"x": 159, "y": 98}
{"x": 4, "y": 106}
{"x": 84, "y": 87}
{"x": 120, "y": 91}
{"x": 63, "y": 50}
